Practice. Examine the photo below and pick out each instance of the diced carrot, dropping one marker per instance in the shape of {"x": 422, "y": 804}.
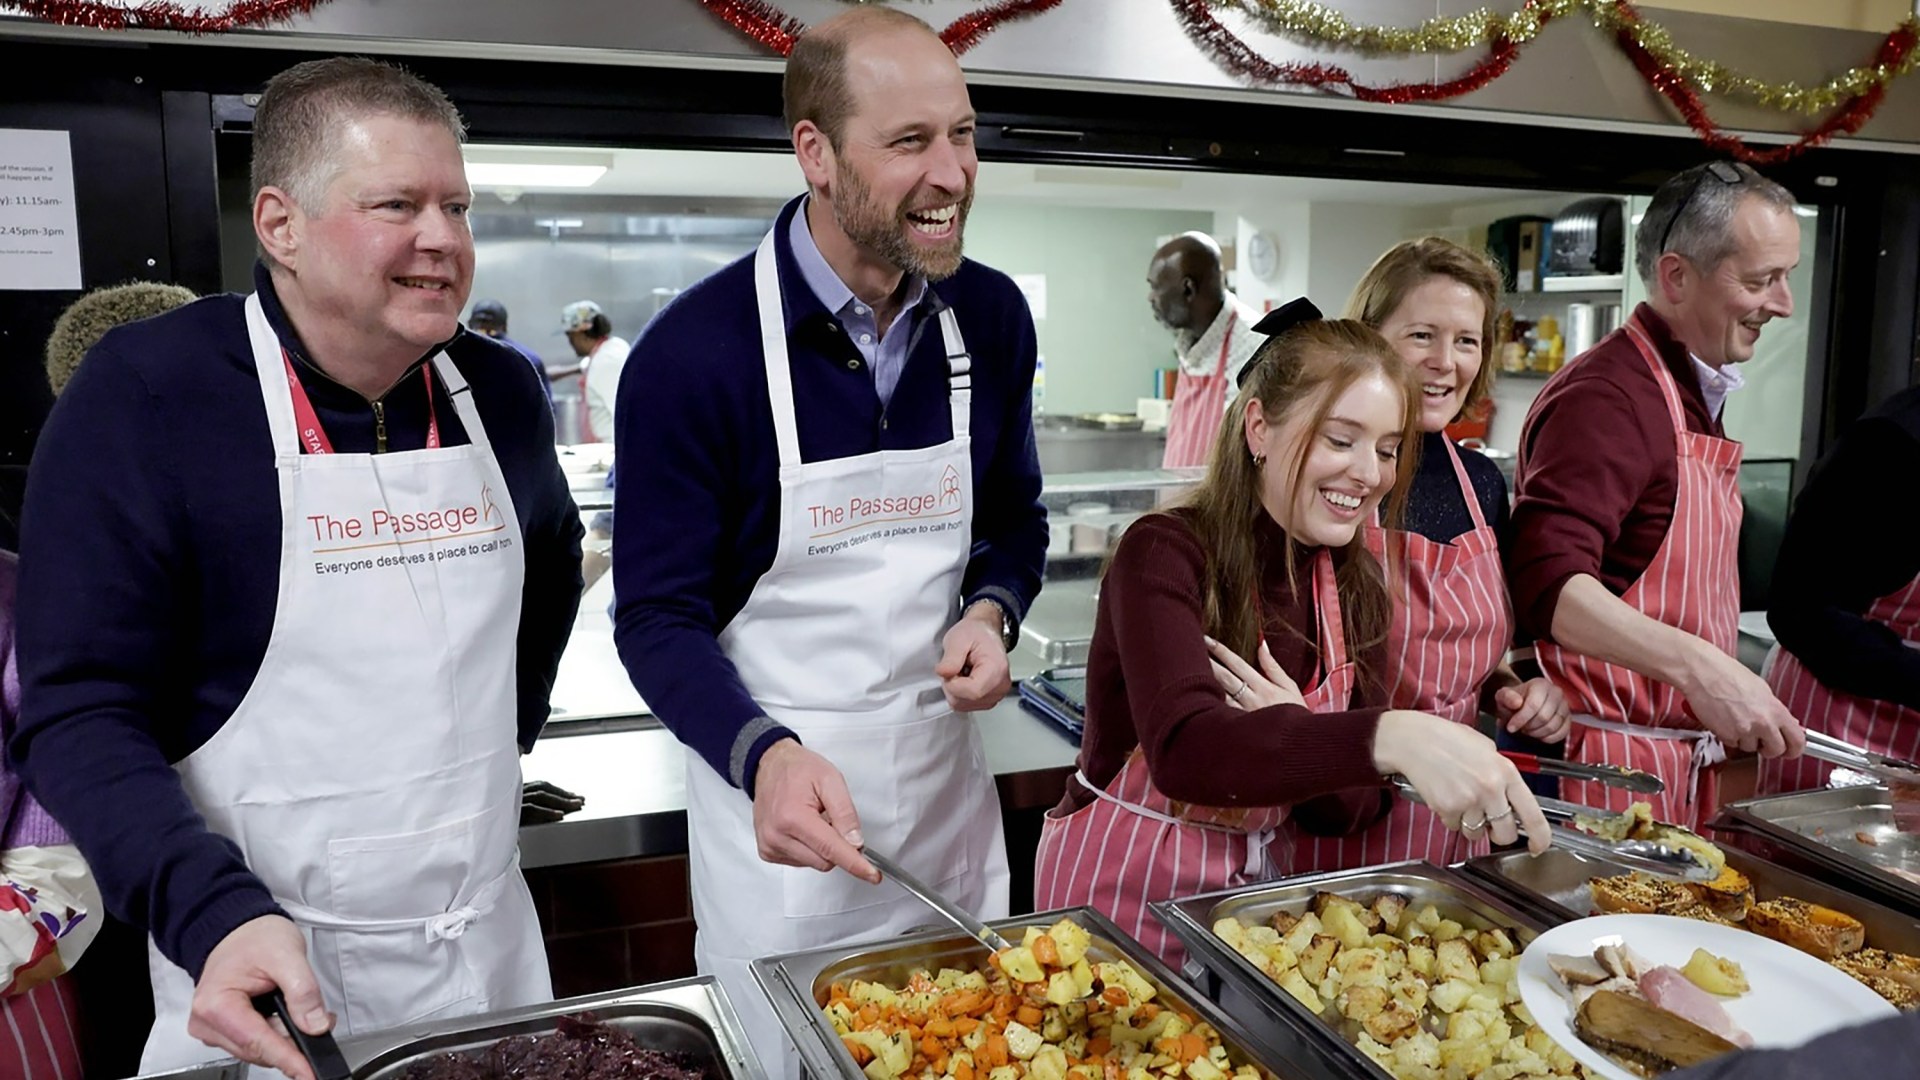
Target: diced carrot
{"x": 1099, "y": 1046}
{"x": 997, "y": 1050}
{"x": 962, "y": 1003}
{"x": 939, "y": 1027}
{"x": 963, "y": 1070}
{"x": 930, "y": 1046}
{"x": 1115, "y": 995}
{"x": 869, "y": 1014}
{"x": 940, "y": 1062}
{"x": 964, "y": 1025}
{"x": 1147, "y": 1011}
{"x": 861, "y": 1055}
{"x": 1029, "y": 1015}
{"x": 1192, "y": 1046}
{"x": 1169, "y": 1046}
{"x": 1003, "y": 1006}
{"x": 1045, "y": 951}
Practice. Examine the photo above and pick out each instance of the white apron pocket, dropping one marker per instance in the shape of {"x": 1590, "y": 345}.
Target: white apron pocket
{"x": 394, "y": 975}
{"x": 913, "y": 787}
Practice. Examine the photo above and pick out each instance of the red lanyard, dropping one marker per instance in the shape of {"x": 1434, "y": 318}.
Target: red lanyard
{"x": 313, "y": 437}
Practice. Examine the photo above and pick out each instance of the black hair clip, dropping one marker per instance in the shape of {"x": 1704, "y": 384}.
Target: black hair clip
{"x": 1279, "y": 321}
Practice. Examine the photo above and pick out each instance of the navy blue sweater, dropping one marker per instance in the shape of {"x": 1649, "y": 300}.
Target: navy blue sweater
{"x": 698, "y": 473}
{"x": 150, "y": 558}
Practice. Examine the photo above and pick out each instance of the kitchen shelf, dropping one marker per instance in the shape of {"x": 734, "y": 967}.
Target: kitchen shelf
{"x": 1583, "y": 283}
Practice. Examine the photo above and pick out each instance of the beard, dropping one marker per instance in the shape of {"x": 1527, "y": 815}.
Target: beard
{"x": 884, "y": 231}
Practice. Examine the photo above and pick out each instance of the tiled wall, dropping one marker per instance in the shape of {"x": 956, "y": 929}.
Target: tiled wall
{"x": 615, "y": 924}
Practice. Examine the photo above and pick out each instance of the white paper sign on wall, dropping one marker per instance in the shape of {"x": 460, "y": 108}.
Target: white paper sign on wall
{"x": 39, "y": 224}
{"x": 1034, "y": 287}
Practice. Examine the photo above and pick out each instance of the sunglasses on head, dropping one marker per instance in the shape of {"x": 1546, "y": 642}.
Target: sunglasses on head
{"x": 1720, "y": 171}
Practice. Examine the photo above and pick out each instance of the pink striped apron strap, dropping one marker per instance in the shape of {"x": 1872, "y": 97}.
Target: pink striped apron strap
{"x": 1708, "y": 751}
{"x": 1258, "y": 865}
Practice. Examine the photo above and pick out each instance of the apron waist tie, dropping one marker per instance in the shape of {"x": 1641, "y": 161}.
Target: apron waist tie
{"x": 1258, "y": 865}
{"x": 447, "y": 925}
{"x": 1708, "y": 750}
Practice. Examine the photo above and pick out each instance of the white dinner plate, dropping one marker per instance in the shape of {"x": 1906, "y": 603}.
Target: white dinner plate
{"x": 1794, "y": 997}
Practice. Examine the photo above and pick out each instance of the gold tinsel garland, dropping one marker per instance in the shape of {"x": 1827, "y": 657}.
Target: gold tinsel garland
{"x": 1481, "y": 27}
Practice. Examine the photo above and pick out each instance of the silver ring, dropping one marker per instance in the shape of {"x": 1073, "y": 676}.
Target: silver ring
{"x": 1237, "y": 691}
{"x": 1475, "y": 827}
{"x": 1507, "y": 813}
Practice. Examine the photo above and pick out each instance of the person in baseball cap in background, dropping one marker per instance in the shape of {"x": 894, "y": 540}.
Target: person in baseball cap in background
{"x": 489, "y": 317}
{"x": 602, "y": 355}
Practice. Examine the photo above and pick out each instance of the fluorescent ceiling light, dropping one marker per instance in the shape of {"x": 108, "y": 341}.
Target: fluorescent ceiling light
{"x": 1807, "y": 211}
{"x": 559, "y": 223}
{"x": 532, "y": 175}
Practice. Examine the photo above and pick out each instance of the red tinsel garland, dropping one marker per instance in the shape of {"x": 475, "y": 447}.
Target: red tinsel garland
{"x": 161, "y": 15}
{"x": 966, "y": 31}
{"x": 1239, "y": 58}
{"x": 777, "y": 31}
{"x": 761, "y": 21}
{"x": 1847, "y": 119}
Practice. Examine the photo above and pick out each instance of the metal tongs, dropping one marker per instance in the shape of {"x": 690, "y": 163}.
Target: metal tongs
{"x": 980, "y": 931}
{"x": 1829, "y": 749}
{"x": 1643, "y": 855}
{"x": 1618, "y": 776}
{"x": 1647, "y": 856}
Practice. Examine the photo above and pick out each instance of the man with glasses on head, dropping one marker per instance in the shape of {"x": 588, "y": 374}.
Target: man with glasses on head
{"x": 1626, "y": 521}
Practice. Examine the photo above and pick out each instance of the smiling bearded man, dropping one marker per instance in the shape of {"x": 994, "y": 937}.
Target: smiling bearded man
{"x": 834, "y": 446}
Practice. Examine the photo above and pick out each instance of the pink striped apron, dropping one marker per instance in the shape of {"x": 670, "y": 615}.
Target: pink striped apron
{"x": 1880, "y": 726}
{"x": 1451, "y": 629}
{"x": 1693, "y": 584}
{"x": 1132, "y": 845}
{"x": 1199, "y": 403}
{"x": 38, "y": 1034}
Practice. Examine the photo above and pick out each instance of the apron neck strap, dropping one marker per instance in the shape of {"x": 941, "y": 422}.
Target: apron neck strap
{"x": 1466, "y": 483}
{"x": 773, "y": 352}
{"x": 1326, "y": 607}
{"x": 1669, "y": 389}
{"x": 959, "y": 374}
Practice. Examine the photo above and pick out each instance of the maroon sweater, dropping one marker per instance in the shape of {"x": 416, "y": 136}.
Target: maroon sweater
{"x": 1596, "y": 477}
{"x": 1149, "y": 684}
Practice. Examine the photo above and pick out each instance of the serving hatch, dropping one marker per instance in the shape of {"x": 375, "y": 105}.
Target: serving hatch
{"x": 1243, "y": 990}
{"x": 687, "y": 1016}
{"x": 798, "y": 986}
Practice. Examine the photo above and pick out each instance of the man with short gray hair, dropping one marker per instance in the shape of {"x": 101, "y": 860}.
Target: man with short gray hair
{"x": 302, "y": 565}
{"x": 1624, "y": 559}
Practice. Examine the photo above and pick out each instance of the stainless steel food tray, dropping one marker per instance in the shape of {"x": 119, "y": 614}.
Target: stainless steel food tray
{"x": 797, "y": 985}
{"x": 689, "y": 1016}
{"x": 1558, "y": 880}
{"x": 1243, "y": 991}
{"x": 1817, "y": 831}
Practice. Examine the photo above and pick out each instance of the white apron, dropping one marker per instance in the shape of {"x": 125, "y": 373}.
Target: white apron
{"x": 371, "y": 776}
{"x": 838, "y": 641}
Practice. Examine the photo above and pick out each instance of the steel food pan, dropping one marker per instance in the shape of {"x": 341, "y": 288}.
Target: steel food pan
{"x": 1243, "y": 990}
{"x": 1558, "y": 880}
{"x": 1844, "y": 832}
{"x": 797, "y": 984}
{"x": 690, "y": 1016}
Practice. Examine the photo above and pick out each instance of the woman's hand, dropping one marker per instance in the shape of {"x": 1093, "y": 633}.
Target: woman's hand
{"x": 1461, "y": 776}
{"x": 1535, "y": 708}
{"x": 1249, "y": 689}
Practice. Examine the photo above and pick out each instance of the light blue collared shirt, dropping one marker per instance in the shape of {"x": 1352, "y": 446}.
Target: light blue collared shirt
{"x": 886, "y": 355}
